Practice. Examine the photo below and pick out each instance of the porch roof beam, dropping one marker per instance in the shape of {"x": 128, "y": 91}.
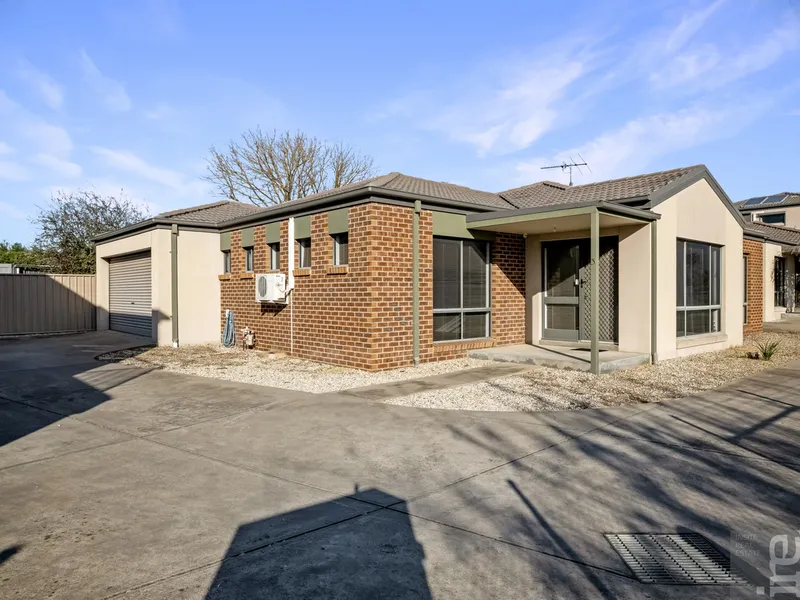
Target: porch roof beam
{"x": 541, "y": 213}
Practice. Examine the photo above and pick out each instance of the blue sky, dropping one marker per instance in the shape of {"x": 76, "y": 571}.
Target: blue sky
{"x": 130, "y": 95}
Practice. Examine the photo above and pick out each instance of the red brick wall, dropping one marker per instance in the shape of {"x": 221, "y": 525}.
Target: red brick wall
{"x": 362, "y": 317}
{"x": 755, "y": 286}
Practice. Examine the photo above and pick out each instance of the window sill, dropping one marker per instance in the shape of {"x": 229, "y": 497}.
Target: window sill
{"x": 247, "y": 275}
{"x": 304, "y": 272}
{"x": 224, "y": 276}
{"x": 701, "y": 340}
{"x": 337, "y": 270}
{"x": 470, "y": 344}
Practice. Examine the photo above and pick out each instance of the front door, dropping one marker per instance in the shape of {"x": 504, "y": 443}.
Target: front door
{"x": 567, "y": 275}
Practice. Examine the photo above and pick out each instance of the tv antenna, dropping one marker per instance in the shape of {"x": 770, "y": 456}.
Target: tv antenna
{"x": 568, "y": 166}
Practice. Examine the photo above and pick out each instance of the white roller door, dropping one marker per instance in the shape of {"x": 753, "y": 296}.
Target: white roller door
{"x": 129, "y": 290}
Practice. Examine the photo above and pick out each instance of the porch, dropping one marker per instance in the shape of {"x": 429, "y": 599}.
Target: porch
{"x": 590, "y": 298}
{"x": 573, "y": 358}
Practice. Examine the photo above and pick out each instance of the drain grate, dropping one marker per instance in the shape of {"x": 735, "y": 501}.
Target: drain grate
{"x": 674, "y": 559}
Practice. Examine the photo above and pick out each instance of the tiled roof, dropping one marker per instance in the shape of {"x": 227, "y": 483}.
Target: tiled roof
{"x": 790, "y": 199}
{"x": 546, "y": 193}
{"x": 211, "y": 214}
{"x": 422, "y": 187}
{"x": 787, "y": 236}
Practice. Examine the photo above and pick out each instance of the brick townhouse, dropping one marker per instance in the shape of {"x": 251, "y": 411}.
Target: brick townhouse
{"x": 398, "y": 270}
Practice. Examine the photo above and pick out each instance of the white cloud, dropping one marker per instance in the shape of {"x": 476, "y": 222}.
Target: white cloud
{"x": 687, "y": 67}
{"x": 177, "y": 183}
{"x": 110, "y": 91}
{"x": 159, "y": 112}
{"x": 514, "y": 114}
{"x": 43, "y": 84}
{"x": 11, "y": 212}
{"x": 132, "y": 163}
{"x": 6, "y": 149}
{"x": 13, "y": 171}
{"x": 631, "y": 148}
{"x": 690, "y": 24}
{"x": 60, "y": 166}
{"x": 52, "y": 139}
{"x": 708, "y": 67}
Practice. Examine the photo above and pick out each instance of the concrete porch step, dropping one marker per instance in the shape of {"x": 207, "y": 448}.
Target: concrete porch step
{"x": 558, "y": 357}
{"x": 790, "y": 316}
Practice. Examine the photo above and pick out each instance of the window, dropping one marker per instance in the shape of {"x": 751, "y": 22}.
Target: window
{"x": 226, "y": 261}
{"x": 304, "y": 253}
{"x": 340, "y": 244}
{"x": 745, "y": 288}
{"x": 780, "y": 281}
{"x": 698, "y": 286}
{"x": 248, "y": 259}
{"x": 773, "y": 218}
{"x": 461, "y": 294}
{"x": 275, "y": 256}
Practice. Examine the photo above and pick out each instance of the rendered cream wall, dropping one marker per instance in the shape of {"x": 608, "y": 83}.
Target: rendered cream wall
{"x": 697, "y": 213}
{"x": 199, "y": 264}
{"x": 154, "y": 241}
{"x": 533, "y": 289}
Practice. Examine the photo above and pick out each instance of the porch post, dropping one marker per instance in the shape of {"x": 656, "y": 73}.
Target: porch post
{"x": 653, "y": 292}
{"x": 594, "y": 290}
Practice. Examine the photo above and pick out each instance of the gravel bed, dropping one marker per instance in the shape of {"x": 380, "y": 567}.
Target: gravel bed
{"x": 544, "y": 388}
{"x": 234, "y": 364}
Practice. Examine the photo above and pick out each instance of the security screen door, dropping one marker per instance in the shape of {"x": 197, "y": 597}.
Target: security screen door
{"x": 567, "y": 275}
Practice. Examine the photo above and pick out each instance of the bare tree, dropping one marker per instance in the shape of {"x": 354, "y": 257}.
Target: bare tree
{"x": 272, "y": 168}
{"x": 70, "y": 221}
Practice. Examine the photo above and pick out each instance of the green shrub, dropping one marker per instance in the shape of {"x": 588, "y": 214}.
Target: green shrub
{"x": 768, "y": 349}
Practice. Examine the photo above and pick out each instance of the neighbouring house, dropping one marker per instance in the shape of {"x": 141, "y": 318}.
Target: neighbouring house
{"x": 397, "y": 270}
{"x": 17, "y": 269}
{"x": 777, "y": 219}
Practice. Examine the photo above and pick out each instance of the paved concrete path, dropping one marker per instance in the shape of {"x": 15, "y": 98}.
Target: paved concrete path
{"x": 396, "y": 389}
{"x": 116, "y": 481}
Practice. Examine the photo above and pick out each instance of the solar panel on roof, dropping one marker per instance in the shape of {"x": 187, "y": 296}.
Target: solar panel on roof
{"x": 754, "y": 201}
{"x": 775, "y": 199}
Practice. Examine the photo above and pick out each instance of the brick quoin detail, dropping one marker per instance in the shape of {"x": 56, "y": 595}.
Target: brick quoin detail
{"x": 362, "y": 318}
{"x": 755, "y": 286}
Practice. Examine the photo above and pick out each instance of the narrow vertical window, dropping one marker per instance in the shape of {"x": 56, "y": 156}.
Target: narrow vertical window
{"x": 779, "y": 278}
{"x": 340, "y": 249}
{"x": 226, "y": 261}
{"x": 274, "y": 256}
{"x": 744, "y": 291}
{"x": 304, "y": 253}
{"x": 248, "y": 259}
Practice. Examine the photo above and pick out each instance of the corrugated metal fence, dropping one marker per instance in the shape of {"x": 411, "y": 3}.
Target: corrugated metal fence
{"x": 47, "y": 304}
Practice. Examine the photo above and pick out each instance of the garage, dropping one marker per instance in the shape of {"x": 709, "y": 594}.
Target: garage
{"x": 130, "y": 294}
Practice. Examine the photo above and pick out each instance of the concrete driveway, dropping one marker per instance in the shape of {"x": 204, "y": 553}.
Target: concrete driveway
{"x": 118, "y": 481}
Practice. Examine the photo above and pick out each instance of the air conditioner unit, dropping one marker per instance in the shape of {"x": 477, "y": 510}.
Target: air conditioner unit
{"x": 271, "y": 287}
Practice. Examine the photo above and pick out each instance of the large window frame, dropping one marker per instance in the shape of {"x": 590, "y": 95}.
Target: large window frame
{"x": 460, "y": 310}
{"x": 779, "y": 277}
{"x": 713, "y": 307}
